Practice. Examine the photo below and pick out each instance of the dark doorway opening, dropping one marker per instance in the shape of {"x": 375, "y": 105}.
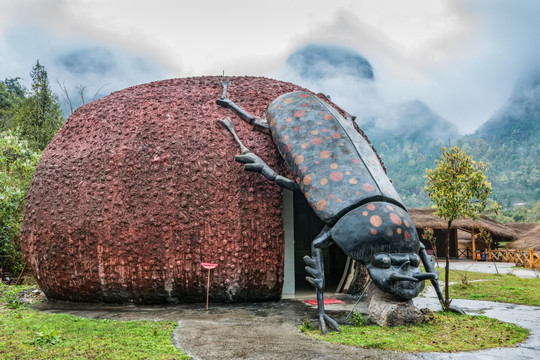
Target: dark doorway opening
{"x": 306, "y": 227}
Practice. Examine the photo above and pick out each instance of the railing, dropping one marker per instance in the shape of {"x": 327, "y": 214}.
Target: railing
{"x": 520, "y": 257}
{"x": 465, "y": 253}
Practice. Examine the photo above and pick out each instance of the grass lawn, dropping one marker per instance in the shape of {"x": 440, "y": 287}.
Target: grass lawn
{"x": 29, "y": 334}
{"x": 447, "y": 332}
{"x": 505, "y": 288}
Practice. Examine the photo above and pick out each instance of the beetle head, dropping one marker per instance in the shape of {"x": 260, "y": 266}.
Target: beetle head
{"x": 382, "y": 237}
{"x": 397, "y": 273}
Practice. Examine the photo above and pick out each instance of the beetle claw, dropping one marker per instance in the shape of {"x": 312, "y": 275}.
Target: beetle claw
{"x": 332, "y": 322}
{"x": 253, "y": 167}
{"x": 310, "y": 262}
{"x": 313, "y": 272}
{"x": 316, "y": 283}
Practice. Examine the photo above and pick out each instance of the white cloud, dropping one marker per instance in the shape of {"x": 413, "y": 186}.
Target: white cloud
{"x": 461, "y": 57}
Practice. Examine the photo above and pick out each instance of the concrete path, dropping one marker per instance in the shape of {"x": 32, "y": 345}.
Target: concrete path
{"x": 268, "y": 330}
{"x": 524, "y": 316}
{"x": 490, "y": 267}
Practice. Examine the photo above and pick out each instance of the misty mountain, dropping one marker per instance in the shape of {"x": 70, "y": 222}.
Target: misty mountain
{"x": 408, "y": 136}
{"x": 411, "y": 121}
{"x": 510, "y": 142}
{"x": 315, "y": 61}
{"x": 518, "y": 119}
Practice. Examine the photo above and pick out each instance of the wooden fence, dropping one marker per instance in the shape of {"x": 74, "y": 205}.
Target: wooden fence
{"x": 520, "y": 257}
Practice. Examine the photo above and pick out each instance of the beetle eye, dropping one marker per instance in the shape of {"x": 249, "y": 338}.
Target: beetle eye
{"x": 415, "y": 260}
{"x": 381, "y": 261}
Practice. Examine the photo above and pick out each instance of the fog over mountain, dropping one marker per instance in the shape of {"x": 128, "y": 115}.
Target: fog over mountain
{"x": 349, "y": 79}
{"x": 409, "y": 134}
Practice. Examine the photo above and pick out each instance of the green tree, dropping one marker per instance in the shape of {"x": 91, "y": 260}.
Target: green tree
{"x": 459, "y": 189}
{"x": 17, "y": 164}
{"x": 12, "y": 95}
{"x": 40, "y": 117}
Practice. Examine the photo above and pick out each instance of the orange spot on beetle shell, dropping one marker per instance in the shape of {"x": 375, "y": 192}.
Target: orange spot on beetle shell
{"x": 299, "y": 159}
{"x": 336, "y": 176}
{"x": 299, "y": 113}
{"x": 321, "y": 204}
{"x": 395, "y": 218}
{"x": 375, "y": 220}
{"x": 370, "y": 207}
{"x": 407, "y": 235}
{"x": 373, "y": 232}
{"x": 324, "y": 154}
{"x": 369, "y": 187}
{"x": 307, "y": 180}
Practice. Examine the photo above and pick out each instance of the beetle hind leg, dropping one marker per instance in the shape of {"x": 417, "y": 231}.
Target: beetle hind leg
{"x": 315, "y": 268}
{"x": 224, "y": 101}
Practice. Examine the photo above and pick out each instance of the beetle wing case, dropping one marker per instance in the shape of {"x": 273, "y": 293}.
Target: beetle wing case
{"x": 333, "y": 164}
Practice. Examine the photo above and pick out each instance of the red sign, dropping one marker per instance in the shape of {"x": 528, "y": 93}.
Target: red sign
{"x": 209, "y": 266}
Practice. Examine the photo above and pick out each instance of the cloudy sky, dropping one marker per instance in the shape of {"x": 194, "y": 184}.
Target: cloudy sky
{"x": 462, "y": 58}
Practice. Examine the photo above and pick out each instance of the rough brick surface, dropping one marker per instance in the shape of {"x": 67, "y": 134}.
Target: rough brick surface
{"x": 140, "y": 187}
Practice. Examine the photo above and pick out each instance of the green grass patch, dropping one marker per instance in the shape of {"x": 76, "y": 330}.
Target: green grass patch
{"x": 505, "y": 288}
{"x": 447, "y": 332}
{"x": 29, "y": 334}
{"x": 501, "y": 288}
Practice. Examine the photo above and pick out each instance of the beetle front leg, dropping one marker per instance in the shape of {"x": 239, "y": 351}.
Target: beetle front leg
{"x": 254, "y": 163}
{"x": 429, "y": 265}
{"x": 316, "y": 269}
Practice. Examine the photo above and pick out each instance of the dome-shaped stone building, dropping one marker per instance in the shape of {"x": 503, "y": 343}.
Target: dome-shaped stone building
{"x": 139, "y": 188}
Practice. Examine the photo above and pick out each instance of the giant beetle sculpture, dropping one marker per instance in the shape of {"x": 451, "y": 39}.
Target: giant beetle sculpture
{"x": 340, "y": 175}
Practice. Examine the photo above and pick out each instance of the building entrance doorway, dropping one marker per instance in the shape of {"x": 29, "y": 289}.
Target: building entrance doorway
{"x": 306, "y": 227}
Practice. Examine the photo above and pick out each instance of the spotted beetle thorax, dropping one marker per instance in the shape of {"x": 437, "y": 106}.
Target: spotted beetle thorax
{"x": 334, "y": 166}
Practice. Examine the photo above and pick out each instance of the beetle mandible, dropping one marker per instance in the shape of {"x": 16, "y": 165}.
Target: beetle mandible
{"x": 340, "y": 175}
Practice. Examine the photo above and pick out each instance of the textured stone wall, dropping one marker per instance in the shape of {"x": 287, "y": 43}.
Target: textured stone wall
{"x": 140, "y": 187}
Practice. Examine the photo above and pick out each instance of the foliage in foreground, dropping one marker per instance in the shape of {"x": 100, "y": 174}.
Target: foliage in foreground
{"x": 447, "y": 332}
{"x": 28, "y": 334}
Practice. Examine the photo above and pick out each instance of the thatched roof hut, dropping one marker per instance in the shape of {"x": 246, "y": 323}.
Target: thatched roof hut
{"x": 425, "y": 218}
{"x": 529, "y": 239}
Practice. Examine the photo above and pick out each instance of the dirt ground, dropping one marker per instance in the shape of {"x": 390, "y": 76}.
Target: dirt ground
{"x": 236, "y": 331}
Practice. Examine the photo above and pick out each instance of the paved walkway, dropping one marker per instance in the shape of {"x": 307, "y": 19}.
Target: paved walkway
{"x": 267, "y": 330}
{"x": 490, "y": 267}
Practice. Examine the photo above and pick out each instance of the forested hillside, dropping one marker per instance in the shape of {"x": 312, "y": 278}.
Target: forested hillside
{"x": 510, "y": 142}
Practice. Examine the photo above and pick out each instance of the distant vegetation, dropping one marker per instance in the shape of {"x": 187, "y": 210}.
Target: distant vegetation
{"x": 29, "y": 118}
{"x": 509, "y": 143}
